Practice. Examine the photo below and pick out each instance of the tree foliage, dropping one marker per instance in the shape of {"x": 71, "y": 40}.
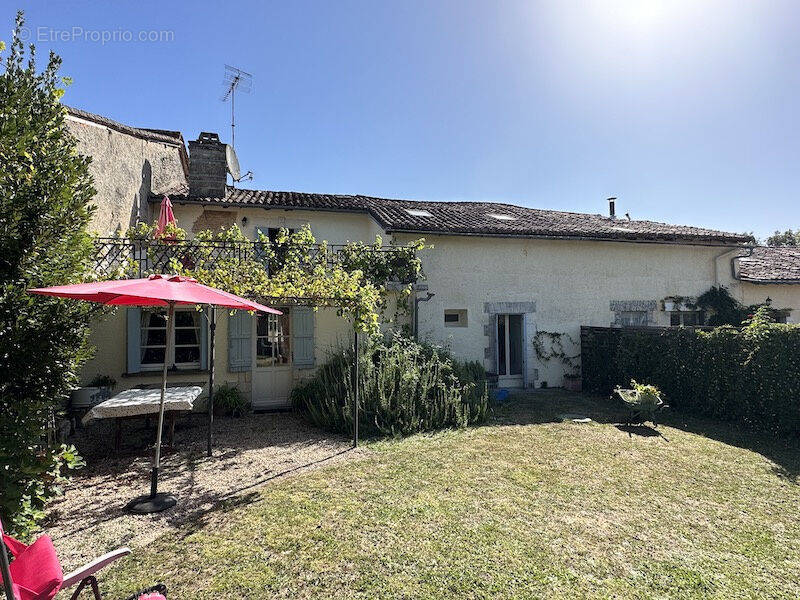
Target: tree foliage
{"x": 45, "y": 190}
{"x": 784, "y": 238}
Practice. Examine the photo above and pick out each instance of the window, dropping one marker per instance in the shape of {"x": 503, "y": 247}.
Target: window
{"x": 279, "y": 249}
{"x": 186, "y": 343}
{"x": 632, "y": 318}
{"x": 273, "y": 340}
{"x": 455, "y": 317}
{"x": 418, "y": 212}
{"x": 685, "y": 318}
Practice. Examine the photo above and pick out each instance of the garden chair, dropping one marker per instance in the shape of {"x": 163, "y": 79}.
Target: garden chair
{"x": 35, "y": 573}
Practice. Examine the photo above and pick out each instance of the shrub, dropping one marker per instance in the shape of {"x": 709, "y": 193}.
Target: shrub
{"x": 404, "y": 387}
{"x": 229, "y": 401}
{"x": 45, "y": 190}
{"x": 750, "y": 375}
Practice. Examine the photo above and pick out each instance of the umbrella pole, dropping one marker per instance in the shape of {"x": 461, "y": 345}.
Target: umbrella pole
{"x": 155, "y": 502}
{"x": 157, "y": 462}
{"x": 212, "y": 329}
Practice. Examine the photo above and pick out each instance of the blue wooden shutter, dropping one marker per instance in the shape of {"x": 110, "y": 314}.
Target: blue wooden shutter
{"x": 134, "y": 317}
{"x": 240, "y": 351}
{"x": 303, "y": 337}
{"x": 204, "y": 316}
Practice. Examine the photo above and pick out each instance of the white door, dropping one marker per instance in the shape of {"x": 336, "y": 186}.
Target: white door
{"x": 510, "y": 349}
{"x": 272, "y": 372}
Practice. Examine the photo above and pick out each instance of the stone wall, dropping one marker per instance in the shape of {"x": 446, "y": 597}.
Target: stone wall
{"x": 126, "y": 169}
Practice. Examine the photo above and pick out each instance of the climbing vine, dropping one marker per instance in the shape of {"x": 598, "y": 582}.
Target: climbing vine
{"x": 549, "y": 345}
{"x": 293, "y": 268}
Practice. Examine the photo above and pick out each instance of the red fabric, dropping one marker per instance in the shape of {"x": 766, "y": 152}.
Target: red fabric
{"x": 165, "y": 217}
{"x": 156, "y": 290}
{"x": 35, "y": 571}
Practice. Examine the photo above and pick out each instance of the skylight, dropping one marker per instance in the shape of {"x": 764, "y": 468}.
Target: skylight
{"x": 502, "y": 217}
{"x": 418, "y": 212}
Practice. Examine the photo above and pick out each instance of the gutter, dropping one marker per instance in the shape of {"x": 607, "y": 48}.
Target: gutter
{"x": 733, "y": 262}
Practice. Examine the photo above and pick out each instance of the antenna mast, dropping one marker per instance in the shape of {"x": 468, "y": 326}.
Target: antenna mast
{"x": 235, "y": 80}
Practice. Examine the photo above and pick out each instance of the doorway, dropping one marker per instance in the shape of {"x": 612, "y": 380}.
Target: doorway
{"x": 272, "y": 372}
{"x": 510, "y": 357}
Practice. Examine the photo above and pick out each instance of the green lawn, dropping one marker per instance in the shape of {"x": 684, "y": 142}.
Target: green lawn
{"x": 527, "y": 506}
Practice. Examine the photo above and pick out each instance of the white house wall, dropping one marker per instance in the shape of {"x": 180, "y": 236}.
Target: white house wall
{"x": 570, "y": 283}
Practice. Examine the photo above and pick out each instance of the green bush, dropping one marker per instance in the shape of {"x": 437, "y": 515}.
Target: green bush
{"x": 45, "y": 190}
{"x": 750, "y": 375}
{"x": 229, "y": 401}
{"x": 404, "y": 387}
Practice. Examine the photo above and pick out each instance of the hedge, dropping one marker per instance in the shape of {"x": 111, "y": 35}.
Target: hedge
{"x": 750, "y": 375}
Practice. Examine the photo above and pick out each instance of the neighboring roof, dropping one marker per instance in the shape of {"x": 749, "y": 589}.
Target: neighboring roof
{"x": 470, "y": 218}
{"x": 152, "y": 135}
{"x": 771, "y": 265}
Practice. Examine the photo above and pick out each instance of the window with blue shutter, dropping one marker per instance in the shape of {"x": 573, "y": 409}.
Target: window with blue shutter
{"x": 240, "y": 350}
{"x": 303, "y": 336}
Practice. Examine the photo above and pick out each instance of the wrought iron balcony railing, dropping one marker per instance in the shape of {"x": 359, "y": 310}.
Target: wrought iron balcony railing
{"x": 139, "y": 258}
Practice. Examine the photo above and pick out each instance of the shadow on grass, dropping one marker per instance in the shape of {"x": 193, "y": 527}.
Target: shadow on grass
{"x": 550, "y": 406}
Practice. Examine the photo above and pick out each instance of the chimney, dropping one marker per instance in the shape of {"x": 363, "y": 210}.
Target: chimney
{"x": 207, "y": 167}
{"x": 612, "y": 211}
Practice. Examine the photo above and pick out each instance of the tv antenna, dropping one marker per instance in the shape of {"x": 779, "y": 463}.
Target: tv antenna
{"x": 235, "y": 80}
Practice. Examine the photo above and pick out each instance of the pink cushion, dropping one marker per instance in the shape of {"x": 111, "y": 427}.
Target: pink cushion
{"x": 152, "y": 596}
{"x": 36, "y": 571}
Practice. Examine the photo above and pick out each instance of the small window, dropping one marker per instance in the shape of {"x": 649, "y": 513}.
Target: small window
{"x": 632, "y": 318}
{"x": 502, "y": 217}
{"x": 685, "y": 318}
{"x": 455, "y": 317}
{"x": 418, "y": 212}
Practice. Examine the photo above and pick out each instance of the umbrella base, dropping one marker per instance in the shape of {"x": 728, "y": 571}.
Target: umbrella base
{"x": 151, "y": 504}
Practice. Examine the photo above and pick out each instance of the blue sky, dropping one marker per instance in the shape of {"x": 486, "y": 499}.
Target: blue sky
{"x": 685, "y": 110}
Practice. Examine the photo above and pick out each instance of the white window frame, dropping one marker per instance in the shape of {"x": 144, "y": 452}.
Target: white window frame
{"x": 145, "y": 327}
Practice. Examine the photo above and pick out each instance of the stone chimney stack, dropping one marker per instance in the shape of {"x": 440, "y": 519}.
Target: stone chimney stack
{"x": 207, "y": 167}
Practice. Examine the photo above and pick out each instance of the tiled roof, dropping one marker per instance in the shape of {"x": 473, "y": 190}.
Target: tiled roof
{"x": 153, "y": 135}
{"x": 771, "y": 265}
{"x": 471, "y": 218}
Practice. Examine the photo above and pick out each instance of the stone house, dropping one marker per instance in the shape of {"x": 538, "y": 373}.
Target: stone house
{"x": 498, "y": 275}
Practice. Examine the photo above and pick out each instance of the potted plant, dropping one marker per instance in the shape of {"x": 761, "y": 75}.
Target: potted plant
{"x": 99, "y": 389}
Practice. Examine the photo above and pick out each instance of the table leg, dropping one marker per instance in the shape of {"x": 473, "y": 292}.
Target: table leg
{"x": 171, "y": 429}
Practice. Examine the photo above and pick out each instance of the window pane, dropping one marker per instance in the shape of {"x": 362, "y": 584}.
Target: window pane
{"x": 675, "y": 319}
{"x": 515, "y": 344}
{"x": 153, "y": 319}
{"x": 188, "y": 354}
{"x": 153, "y": 356}
{"x": 633, "y": 318}
{"x": 263, "y": 348}
{"x": 186, "y": 336}
{"x": 186, "y": 318}
{"x": 691, "y": 318}
{"x": 451, "y": 317}
{"x": 261, "y": 325}
{"x": 501, "y": 344}
{"x": 154, "y": 337}
{"x": 282, "y": 351}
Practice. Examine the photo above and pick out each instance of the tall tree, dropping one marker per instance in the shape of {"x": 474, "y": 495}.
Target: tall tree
{"x": 784, "y": 238}
{"x": 45, "y": 190}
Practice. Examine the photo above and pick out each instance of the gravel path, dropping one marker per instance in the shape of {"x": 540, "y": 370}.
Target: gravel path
{"x": 89, "y": 519}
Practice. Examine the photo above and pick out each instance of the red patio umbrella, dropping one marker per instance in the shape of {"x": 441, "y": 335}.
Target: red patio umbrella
{"x": 165, "y": 217}
{"x": 157, "y": 290}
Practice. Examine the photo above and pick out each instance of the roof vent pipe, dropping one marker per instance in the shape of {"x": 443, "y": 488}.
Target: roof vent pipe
{"x": 612, "y": 212}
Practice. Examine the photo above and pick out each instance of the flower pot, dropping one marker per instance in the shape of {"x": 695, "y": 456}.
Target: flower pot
{"x": 87, "y": 397}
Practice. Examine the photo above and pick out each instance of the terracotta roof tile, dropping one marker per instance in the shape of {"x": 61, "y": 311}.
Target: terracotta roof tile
{"x": 471, "y": 218}
{"x": 771, "y": 265}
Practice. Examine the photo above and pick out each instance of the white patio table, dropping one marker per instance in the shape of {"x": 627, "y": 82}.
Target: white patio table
{"x": 142, "y": 402}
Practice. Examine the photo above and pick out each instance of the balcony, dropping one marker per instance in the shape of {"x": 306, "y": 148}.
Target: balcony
{"x": 140, "y": 258}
